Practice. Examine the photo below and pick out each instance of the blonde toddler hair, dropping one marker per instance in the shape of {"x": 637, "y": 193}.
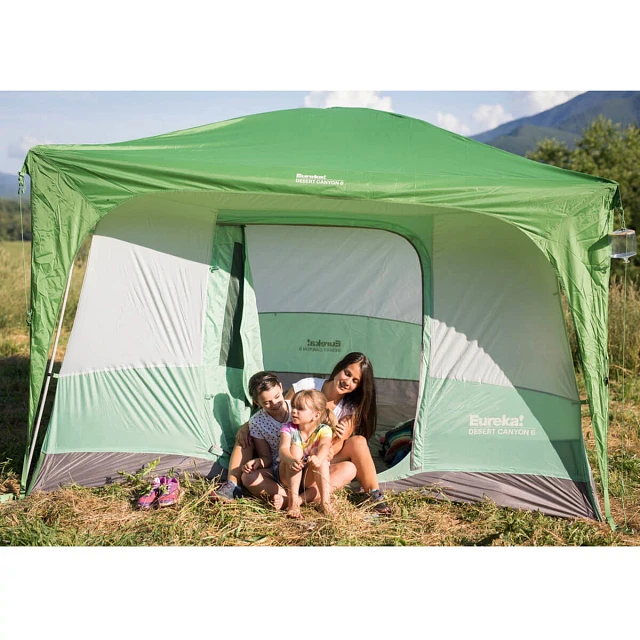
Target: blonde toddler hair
{"x": 314, "y": 399}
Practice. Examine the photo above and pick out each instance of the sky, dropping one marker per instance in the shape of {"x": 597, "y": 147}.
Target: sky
{"x": 29, "y": 118}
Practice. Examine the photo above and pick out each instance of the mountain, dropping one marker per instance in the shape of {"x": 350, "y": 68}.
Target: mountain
{"x": 564, "y": 122}
{"x": 9, "y": 186}
{"x": 526, "y": 137}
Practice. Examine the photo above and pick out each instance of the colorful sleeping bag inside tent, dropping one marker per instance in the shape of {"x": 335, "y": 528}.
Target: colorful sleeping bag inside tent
{"x": 286, "y": 240}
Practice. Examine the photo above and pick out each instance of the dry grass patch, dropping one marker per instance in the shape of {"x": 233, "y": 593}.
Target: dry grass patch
{"x": 108, "y": 516}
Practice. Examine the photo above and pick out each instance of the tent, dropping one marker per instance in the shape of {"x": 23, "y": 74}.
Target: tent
{"x": 285, "y": 240}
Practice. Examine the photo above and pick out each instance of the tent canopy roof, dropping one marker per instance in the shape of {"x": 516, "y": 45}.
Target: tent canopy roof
{"x": 361, "y": 153}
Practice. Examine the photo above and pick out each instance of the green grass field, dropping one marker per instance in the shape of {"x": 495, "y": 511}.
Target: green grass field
{"x": 107, "y": 516}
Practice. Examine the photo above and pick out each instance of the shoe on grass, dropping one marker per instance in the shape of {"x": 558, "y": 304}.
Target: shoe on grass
{"x": 147, "y": 500}
{"x": 168, "y": 491}
{"x": 377, "y": 503}
{"x": 227, "y": 492}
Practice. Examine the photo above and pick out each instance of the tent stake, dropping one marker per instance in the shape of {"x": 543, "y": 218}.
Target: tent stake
{"x": 48, "y": 378}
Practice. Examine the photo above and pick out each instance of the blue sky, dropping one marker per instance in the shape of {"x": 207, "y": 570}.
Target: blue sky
{"x": 28, "y": 118}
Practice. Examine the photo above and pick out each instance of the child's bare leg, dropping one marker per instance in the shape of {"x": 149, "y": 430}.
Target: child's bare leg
{"x": 279, "y": 500}
{"x": 317, "y": 486}
{"x": 262, "y": 485}
{"x": 340, "y": 475}
{"x": 293, "y": 484}
{"x": 324, "y": 487}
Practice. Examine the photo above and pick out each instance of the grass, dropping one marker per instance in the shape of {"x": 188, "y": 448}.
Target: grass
{"x": 107, "y": 516}
{"x": 14, "y": 347}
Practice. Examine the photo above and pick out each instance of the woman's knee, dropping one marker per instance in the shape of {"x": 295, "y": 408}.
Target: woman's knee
{"x": 348, "y": 471}
{"x": 357, "y": 445}
{"x": 359, "y": 442}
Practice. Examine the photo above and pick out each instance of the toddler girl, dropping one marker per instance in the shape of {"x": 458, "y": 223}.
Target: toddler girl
{"x": 304, "y": 447}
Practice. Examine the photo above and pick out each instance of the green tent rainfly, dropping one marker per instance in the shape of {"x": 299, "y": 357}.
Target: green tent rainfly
{"x": 285, "y": 240}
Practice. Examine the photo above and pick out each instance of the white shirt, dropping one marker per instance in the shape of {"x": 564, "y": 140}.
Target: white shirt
{"x": 342, "y": 408}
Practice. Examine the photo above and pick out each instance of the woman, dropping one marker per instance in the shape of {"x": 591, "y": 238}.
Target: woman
{"x": 351, "y": 394}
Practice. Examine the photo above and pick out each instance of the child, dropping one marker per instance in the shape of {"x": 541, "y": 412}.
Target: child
{"x": 264, "y": 427}
{"x": 304, "y": 446}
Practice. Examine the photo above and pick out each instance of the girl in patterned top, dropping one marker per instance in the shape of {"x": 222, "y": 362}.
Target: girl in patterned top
{"x": 304, "y": 448}
{"x": 264, "y": 427}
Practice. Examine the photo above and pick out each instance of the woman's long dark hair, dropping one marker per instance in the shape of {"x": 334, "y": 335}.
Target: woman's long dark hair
{"x": 363, "y": 398}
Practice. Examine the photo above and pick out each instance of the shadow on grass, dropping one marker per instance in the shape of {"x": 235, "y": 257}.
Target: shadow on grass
{"x": 14, "y": 412}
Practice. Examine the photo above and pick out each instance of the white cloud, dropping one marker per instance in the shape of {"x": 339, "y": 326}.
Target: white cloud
{"x": 489, "y": 116}
{"x": 537, "y": 101}
{"x": 451, "y": 123}
{"x": 369, "y": 99}
{"x": 20, "y": 148}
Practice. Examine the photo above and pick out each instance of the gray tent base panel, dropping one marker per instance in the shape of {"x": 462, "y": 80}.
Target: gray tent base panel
{"x": 551, "y": 496}
{"x": 99, "y": 469}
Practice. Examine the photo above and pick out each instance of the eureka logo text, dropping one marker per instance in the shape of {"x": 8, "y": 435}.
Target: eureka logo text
{"x": 503, "y": 421}
{"x": 498, "y": 425}
{"x": 305, "y": 178}
{"x": 322, "y": 345}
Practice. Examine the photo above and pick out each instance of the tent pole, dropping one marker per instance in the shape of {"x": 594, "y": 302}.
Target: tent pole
{"x": 48, "y": 378}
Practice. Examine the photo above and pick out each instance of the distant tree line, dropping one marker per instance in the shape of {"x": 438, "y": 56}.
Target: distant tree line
{"x": 609, "y": 151}
{"x": 10, "y": 219}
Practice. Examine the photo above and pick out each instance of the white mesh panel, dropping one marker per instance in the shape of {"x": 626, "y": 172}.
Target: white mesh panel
{"x": 496, "y": 307}
{"x": 335, "y": 270}
{"x": 143, "y": 295}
